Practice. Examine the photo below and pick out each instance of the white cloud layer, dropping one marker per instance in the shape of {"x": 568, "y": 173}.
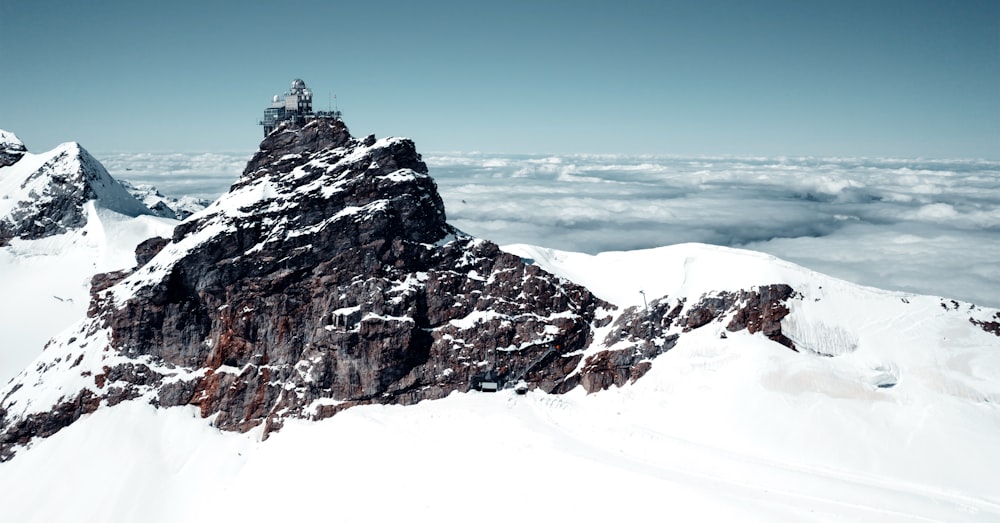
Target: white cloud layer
{"x": 202, "y": 175}
{"x": 925, "y": 226}
{"x": 931, "y": 227}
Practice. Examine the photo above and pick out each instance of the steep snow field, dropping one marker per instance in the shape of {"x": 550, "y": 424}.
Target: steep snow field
{"x": 901, "y": 425}
{"x": 46, "y": 282}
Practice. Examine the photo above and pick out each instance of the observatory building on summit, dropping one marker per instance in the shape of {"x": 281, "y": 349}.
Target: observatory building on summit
{"x": 294, "y": 106}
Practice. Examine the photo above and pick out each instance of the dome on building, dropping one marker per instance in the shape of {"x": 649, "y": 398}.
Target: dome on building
{"x": 295, "y": 106}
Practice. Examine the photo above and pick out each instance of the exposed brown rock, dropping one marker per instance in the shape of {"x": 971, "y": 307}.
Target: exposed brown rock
{"x": 762, "y": 311}
{"x": 372, "y": 308}
{"x": 146, "y": 250}
{"x": 330, "y": 278}
{"x": 44, "y": 424}
{"x": 645, "y": 331}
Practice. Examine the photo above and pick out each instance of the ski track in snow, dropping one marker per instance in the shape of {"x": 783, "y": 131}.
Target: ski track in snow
{"x": 749, "y": 479}
{"x": 547, "y": 456}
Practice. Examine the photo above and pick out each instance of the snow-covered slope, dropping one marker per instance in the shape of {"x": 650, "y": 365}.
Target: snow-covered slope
{"x": 46, "y": 282}
{"x": 690, "y": 269}
{"x": 900, "y": 425}
{"x": 62, "y": 220}
{"x": 855, "y": 342}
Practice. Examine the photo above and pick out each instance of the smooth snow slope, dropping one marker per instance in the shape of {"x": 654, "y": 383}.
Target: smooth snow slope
{"x": 728, "y": 429}
{"x": 46, "y": 282}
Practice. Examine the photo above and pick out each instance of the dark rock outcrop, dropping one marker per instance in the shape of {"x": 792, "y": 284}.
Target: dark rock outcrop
{"x": 328, "y": 277}
{"x": 21, "y": 431}
{"x": 647, "y": 333}
{"x": 990, "y": 326}
{"x": 761, "y": 310}
{"x": 148, "y": 249}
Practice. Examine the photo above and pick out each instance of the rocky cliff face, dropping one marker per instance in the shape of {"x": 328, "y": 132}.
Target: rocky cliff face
{"x": 46, "y": 194}
{"x": 328, "y": 277}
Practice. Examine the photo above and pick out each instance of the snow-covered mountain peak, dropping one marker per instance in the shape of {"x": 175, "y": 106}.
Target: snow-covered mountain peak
{"x": 44, "y": 194}
{"x": 62, "y": 219}
{"x": 9, "y": 139}
{"x": 11, "y": 148}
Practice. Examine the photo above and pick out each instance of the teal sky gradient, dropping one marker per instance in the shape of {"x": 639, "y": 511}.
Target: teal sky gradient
{"x": 845, "y": 78}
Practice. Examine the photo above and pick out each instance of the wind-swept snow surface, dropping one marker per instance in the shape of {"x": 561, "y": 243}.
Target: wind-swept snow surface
{"x": 888, "y": 413}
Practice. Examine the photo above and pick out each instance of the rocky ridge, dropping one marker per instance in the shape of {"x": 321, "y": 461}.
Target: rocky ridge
{"x": 329, "y": 277}
{"x": 46, "y": 194}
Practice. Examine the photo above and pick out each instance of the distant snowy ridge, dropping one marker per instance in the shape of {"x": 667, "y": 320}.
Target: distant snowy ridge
{"x": 160, "y": 205}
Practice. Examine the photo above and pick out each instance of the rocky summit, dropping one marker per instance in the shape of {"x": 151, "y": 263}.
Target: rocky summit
{"x": 328, "y": 277}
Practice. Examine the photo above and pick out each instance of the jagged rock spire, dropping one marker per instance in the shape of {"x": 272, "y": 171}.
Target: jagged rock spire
{"x": 328, "y": 277}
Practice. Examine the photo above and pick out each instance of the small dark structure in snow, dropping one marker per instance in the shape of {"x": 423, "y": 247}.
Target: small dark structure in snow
{"x": 486, "y": 382}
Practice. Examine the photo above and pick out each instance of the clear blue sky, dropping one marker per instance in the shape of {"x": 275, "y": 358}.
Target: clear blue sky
{"x": 849, "y": 78}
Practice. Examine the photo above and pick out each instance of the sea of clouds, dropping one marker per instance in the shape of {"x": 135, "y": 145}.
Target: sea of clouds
{"x": 201, "y": 175}
{"x": 924, "y": 226}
